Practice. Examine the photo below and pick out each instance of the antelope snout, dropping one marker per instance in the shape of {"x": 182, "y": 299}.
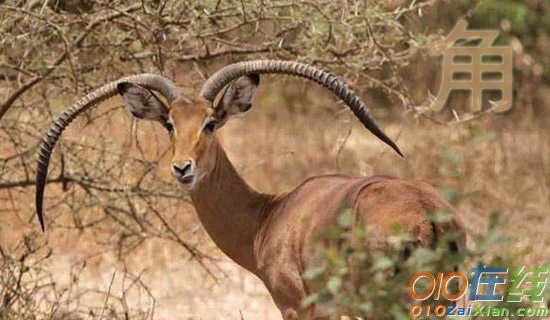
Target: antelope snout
{"x": 184, "y": 172}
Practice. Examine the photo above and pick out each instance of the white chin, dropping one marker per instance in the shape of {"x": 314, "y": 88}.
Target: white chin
{"x": 188, "y": 186}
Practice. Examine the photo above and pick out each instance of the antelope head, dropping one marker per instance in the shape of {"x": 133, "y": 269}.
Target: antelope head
{"x": 192, "y": 124}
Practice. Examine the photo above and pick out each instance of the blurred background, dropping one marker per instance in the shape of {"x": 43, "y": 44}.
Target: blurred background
{"x": 123, "y": 241}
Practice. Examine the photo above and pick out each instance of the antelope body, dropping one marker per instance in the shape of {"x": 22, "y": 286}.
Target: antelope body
{"x": 272, "y": 236}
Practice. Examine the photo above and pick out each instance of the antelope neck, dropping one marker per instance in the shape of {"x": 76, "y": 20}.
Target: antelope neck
{"x": 230, "y": 210}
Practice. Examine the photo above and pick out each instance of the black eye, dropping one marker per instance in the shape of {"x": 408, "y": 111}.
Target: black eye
{"x": 169, "y": 126}
{"x": 210, "y": 126}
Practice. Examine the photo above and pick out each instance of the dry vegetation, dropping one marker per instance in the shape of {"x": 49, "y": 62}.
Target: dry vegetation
{"x": 122, "y": 240}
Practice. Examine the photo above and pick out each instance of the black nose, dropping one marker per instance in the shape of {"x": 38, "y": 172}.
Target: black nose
{"x": 182, "y": 169}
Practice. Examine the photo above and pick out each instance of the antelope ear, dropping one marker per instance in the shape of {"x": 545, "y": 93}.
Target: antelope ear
{"x": 237, "y": 97}
{"x": 142, "y": 103}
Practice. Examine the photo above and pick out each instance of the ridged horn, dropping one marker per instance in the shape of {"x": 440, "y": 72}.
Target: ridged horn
{"x": 151, "y": 81}
{"x": 224, "y": 76}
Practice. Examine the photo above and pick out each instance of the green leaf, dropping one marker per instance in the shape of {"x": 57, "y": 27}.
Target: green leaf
{"x": 311, "y": 299}
{"x": 398, "y": 313}
{"x": 334, "y": 284}
{"x": 382, "y": 263}
{"x": 451, "y": 195}
{"x": 346, "y": 218}
{"x": 314, "y": 272}
{"x": 365, "y": 307}
{"x": 441, "y": 217}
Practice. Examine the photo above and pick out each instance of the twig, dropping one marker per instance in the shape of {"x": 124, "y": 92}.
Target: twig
{"x": 107, "y": 295}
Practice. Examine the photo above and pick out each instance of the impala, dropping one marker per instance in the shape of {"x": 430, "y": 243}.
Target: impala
{"x": 272, "y": 236}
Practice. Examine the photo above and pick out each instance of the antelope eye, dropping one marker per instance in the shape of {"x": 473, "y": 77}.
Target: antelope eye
{"x": 210, "y": 126}
{"x": 169, "y": 126}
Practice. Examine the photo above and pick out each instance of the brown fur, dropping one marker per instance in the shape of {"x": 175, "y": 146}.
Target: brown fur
{"x": 272, "y": 236}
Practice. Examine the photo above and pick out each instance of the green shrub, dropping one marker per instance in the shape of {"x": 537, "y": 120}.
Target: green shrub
{"x": 352, "y": 279}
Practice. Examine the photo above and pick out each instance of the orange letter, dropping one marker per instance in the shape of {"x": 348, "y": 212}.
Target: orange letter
{"x": 414, "y": 279}
{"x": 439, "y": 310}
{"x": 463, "y": 284}
{"x": 416, "y": 310}
{"x": 438, "y": 282}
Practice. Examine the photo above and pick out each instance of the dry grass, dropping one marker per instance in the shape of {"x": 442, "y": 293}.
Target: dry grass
{"x": 118, "y": 270}
{"x": 290, "y": 135}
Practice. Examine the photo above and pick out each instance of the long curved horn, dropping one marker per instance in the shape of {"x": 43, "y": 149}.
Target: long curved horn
{"x": 151, "y": 81}
{"x": 231, "y": 72}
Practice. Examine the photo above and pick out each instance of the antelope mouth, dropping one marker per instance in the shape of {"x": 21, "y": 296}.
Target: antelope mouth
{"x": 188, "y": 179}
